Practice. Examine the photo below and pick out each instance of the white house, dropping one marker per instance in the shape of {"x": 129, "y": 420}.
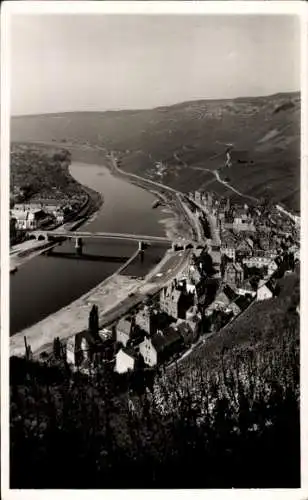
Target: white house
{"x": 125, "y": 360}
{"x": 28, "y": 219}
{"x": 70, "y": 350}
{"x": 59, "y": 216}
{"x": 148, "y": 352}
{"x": 191, "y": 288}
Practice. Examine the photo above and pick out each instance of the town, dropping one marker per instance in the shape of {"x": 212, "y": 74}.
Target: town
{"x": 254, "y": 247}
{"x": 153, "y": 315}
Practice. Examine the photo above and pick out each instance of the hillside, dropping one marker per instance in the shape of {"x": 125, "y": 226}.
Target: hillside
{"x": 42, "y": 173}
{"x": 192, "y": 134}
{"x": 227, "y": 418}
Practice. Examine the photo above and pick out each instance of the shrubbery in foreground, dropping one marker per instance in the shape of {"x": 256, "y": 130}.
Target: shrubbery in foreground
{"x": 233, "y": 423}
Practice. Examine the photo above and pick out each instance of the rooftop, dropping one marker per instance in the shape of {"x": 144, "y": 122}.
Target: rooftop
{"x": 164, "y": 339}
{"x": 124, "y": 326}
{"x": 130, "y": 352}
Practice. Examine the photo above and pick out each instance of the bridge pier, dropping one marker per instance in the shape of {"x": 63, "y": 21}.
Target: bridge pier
{"x": 141, "y": 250}
{"x": 79, "y": 245}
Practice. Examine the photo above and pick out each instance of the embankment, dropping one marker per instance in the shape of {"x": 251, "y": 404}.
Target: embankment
{"x": 74, "y": 317}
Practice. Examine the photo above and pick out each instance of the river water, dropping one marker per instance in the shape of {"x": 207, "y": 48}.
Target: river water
{"x": 46, "y": 283}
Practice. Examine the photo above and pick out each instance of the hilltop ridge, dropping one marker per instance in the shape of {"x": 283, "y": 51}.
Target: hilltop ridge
{"x": 191, "y": 134}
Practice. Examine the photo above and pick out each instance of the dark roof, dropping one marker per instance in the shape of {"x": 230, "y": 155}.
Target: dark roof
{"x": 244, "y": 243}
{"x": 91, "y": 340}
{"x": 184, "y": 329}
{"x": 229, "y": 292}
{"x": 271, "y": 285}
{"x": 137, "y": 335}
{"x": 228, "y": 238}
{"x": 242, "y": 302}
{"x": 130, "y": 352}
{"x": 162, "y": 340}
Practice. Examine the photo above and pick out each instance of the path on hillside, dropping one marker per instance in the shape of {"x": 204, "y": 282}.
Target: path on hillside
{"x": 216, "y": 174}
{"x": 219, "y": 179}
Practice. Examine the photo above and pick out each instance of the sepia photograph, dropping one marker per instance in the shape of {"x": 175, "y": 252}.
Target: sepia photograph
{"x": 154, "y": 189}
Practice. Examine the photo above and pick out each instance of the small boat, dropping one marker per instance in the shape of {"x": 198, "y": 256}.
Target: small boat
{"x": 156, "y": 204}
{"x": 13, "y": 270}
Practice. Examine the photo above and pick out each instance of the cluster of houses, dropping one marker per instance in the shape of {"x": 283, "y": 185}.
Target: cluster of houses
{"x": 162, "y": 327}
{"x": 218, "y": 283}
{"x": 31, "y": 216}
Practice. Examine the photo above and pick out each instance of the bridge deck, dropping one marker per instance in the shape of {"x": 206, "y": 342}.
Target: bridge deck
{"x": 122, "y": 236}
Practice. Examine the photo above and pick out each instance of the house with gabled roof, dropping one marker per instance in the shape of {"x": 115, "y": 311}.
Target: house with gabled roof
{"x": 29, "y": 219}
{"x": 169, "y": 300}
{"x": 233, "y": 274}
{"x": 148, "y": 351}
{"x": 167, "y": 342}
{"x": 243, "y": 249}
{"x": 123, "y": 330}
{"x": 228, "y": 245}
{"x": 144, "y": 319}
{"x": 80, "y": 348}
{"x": 185, "y": 331}
{"x": 161, "y": 345}
{"x": 126, "y": 359}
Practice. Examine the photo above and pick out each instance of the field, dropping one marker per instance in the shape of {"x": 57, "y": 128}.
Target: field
{"x": 192, "y": 134}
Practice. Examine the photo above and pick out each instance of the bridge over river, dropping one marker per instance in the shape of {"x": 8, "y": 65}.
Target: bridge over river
{"x": 49, "y": 235}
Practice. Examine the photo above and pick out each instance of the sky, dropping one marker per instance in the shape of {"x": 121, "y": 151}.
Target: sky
{"x": 102, "y": 62}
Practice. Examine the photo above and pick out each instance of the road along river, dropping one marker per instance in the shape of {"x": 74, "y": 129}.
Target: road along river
{"x": 47, "y": 283}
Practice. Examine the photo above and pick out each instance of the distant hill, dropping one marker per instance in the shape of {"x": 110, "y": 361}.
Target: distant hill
{"x": 192, "y": 134}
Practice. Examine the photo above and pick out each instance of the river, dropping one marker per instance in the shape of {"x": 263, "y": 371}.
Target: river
{"x": 46, "y": 283}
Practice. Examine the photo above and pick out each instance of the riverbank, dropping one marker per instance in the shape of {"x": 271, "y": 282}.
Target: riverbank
{"x": 70, "y": 322}
{"x": 114, "y": 297}
{"x": 22, "y": 252}
{"x": 175, "y": 225}
{"x": 93, "y": 200}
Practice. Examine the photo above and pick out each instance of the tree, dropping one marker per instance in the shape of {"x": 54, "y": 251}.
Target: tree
{"x": 57, "y": 348}
{"x": 93, "y": 321}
